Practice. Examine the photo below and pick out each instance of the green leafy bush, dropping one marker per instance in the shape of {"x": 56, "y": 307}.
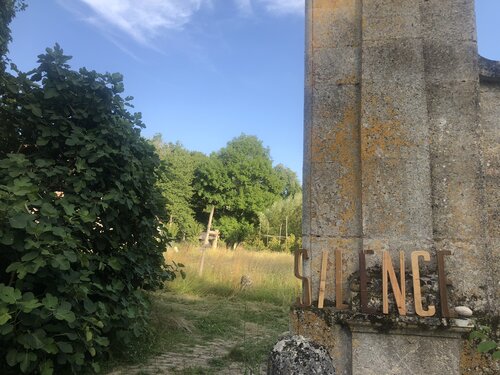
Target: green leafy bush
{"x": 80, "y": 219}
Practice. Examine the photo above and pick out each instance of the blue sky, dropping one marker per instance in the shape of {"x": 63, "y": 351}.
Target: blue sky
{"x": 202, "y": 71}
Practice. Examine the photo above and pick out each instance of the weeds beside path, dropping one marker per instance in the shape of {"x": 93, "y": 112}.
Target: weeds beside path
{"x": 213, "y": 325}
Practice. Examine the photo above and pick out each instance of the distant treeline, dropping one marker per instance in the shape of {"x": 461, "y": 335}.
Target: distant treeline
{"x": 254, "y": 202}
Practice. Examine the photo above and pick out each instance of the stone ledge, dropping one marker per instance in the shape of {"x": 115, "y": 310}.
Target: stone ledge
{"x": 489, "y": 70}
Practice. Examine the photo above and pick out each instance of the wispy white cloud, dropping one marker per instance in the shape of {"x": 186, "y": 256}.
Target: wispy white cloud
{"x": 144, "y": 20}
{"x": 283, "y": 6}
{"x": 244, "y": 6}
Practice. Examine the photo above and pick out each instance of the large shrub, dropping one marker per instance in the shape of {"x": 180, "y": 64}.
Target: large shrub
{"x": 80, "y": 219}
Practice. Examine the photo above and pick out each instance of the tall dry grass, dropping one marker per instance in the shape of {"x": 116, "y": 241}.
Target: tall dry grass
{"x": 271, "y": 274}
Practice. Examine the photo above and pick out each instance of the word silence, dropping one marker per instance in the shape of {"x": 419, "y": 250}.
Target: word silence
{"x": 388, "y": 278}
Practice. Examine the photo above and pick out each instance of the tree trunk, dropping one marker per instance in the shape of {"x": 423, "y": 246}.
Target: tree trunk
{"x": 205, "y": 241}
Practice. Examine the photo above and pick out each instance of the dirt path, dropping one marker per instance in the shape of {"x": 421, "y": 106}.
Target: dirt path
{"x": 199, "y": 359}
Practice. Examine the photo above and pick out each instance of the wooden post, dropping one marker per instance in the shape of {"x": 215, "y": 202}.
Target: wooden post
{"x": 286, "y": 232}
{"x": 205, "y": 241}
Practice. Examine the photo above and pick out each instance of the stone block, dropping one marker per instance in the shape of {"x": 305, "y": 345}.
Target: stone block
{"x": 336, "y": 23}
{"x": 339, "y": 66}
{"x": 403, "y": 352}
{"x": 492, "y": 203}
{"x": 397, "y": 26}
{"x": 468, "y": 269}
{"x": 458, "y": 25}
{"x": 335, "y": 200}
{"x": 378, "y": 8}
{"x": 392, "y": 60}
{"x": 452, "y": 107}
{"x": 456, "y": 197}
{"x": 396, "y": 198}
{"x": 393, "y": 119}
{"x": 447, "y": 61}
{"x": 330, "y": 103}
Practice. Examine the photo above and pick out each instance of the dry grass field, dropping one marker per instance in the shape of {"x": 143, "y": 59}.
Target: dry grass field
{"x": 270, "y": 274}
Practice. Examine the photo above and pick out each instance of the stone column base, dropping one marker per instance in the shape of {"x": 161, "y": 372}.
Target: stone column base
{"x": 405, "y": 351}
{"x": 359, "y": 346}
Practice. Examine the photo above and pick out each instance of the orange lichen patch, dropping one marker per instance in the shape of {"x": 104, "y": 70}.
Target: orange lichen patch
{"x": 332, "y": 20}
{"x": 346, "y": 142}
{"x": 309, "y": 324}
{"x": 342, "y": 148}
{"x": 352, "y": 79}
{"x": 383, "y": 137}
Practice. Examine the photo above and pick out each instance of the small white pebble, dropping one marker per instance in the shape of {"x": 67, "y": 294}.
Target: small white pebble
{"x": 463, "y": 311}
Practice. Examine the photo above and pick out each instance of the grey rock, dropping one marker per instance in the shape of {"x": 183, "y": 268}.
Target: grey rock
{"x": 296, "y": 355}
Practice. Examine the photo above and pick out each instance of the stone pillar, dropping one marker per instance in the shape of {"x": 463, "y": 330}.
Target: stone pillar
{"x": 400, "y": 154}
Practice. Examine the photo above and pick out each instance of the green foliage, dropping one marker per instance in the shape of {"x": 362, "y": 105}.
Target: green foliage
{"x": 240, "y": 181}
{"x": 79, "y": 219}
{"x": 482, "y": 335}
{"x": 176, "y": 176}
{"x": 8, "y": 9}
{"x": 290, "y": 185}
{"x": 234, "y": 231}
{"x": 283, "y": 216}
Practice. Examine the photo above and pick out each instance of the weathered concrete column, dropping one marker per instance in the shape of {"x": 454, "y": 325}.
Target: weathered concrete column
{"x": 401, "y": 155}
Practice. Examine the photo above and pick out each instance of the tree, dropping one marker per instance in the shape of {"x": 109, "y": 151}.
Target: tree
{"x": 283, "y": 218}
{"x": 176, "y": 183}
{"x": 8, "y": 9}
{"x": 239, "y": 180}
{"x": 80, "y": 215}
{"x": 289, "y": 181}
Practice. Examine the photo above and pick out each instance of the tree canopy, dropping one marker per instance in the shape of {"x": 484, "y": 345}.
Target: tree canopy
{"x": 239, "y": 181}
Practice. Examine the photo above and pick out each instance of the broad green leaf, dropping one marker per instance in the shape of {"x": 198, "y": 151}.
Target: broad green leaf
{"x": 486, "y": 346}
{"x": 20, "y": 220}
{"x": 9, "y": 295}
{"x": 50, "y": 93}
{"x": 89, "y": 306}
{"x": 115, "y": 264}
{"x": 103, "y": 341}
{"x": 7, "y": 238}
{"x": 50, "y": 301}
{"x": 29, "y": 302}
{"x": 66, "y": 315}
{"x": 496, "y": 355}
{"x": 6, "y": 329}
{"x": 46, "y": 368}
{"x": 59, "y": 231}
{"x": 4, "y": 318}
{"x": 48, "y": 210}
{"x": 30, "y": 256}
{"x": 65, "y": 347}
{"x": 30, "y": 341}
{"x": 11, "y": 357}
{"x": 25, "y": 360}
